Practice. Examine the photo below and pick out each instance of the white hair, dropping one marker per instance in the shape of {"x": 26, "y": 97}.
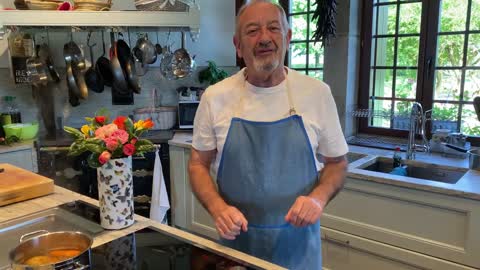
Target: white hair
{"x": 284, "y": 20}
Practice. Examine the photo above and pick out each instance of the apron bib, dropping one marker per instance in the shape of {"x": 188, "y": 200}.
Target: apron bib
{"x": 265, "y": 166}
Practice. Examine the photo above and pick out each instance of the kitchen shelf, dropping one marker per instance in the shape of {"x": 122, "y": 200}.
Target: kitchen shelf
{"x": 51, "y": 18}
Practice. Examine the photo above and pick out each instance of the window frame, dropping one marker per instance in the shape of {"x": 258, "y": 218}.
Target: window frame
{"x": 426, "y": 64}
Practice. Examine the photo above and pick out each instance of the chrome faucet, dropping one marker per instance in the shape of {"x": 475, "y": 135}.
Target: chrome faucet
{"x": 417, "y": 127}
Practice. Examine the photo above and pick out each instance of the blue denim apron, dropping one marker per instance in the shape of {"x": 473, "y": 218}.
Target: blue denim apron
{"x": 265, "y": 166}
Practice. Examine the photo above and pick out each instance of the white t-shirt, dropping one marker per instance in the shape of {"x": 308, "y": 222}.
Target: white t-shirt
{"x": 234, "y": 96}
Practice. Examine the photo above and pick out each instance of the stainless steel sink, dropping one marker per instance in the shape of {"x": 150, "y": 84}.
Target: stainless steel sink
{"x": 419, "y": 170}
{"x": 352, "y": 156}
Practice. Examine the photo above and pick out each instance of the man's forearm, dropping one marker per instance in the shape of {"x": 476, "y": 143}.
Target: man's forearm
{"x": 331, "y": 180}
{"x": 204, "y": 188}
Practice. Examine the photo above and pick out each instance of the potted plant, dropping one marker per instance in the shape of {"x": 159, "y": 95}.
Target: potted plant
{"x": 212, "y": 74}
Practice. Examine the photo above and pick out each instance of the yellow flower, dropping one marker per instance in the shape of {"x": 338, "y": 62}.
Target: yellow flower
{"x": 138, "y": 124}
{"x": 85, "y": 130}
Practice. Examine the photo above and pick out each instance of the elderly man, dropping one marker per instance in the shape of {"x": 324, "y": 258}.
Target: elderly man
{"x": 261, "y": 129}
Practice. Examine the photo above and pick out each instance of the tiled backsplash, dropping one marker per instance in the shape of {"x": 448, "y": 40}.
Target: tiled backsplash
{"x": 74, "y": 116}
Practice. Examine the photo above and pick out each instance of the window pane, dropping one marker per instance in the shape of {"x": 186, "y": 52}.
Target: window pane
{"x": 475, "y": 17}
{"x": 470, "y": 124}
{"x": 298, "y": 55}
{"x": 471, "y": 89}
{"x": 450, "y": 50}
{"x": 410, "y": 18}
{"x": 385, "y": 52}
{"x": 406, "y": 83}
{"x": 447, "y": 84}
{"x": 386, "y": 20}
{"x": 315, "y": 55}
{"x": 444, "y": 116}
{"x": 316, "y": 74}
{"x": 407, "y": 55}
{"x": 383, "y": 83}
{"x": 299, "y": 26}
{"x": 453, "y": 15}
{"x": 298, "y": 6}
{"x": 473, "y": 54}
{"x": 401, "y": 117}
{"x": 381, "y": 109}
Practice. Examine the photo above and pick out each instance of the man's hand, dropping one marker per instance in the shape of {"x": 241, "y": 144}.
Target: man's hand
{"x": 305, "y": 211}
{"x": 229, "y": 221}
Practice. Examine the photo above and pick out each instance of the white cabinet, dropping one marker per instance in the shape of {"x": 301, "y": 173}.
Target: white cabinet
{"x": 408, "y": 225}
{"x": 187, "y": 212}
{"x": 21, "y": 156}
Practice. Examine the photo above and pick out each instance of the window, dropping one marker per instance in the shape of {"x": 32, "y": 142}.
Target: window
{"x": 304, "y": 55}
{"x": 426, "y": 51}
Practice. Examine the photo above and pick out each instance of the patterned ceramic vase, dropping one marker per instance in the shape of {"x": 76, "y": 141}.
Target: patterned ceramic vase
{"x": 115, "y": 193}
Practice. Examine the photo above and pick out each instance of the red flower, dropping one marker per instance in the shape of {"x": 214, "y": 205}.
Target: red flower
{"x": 120, "y": 122}
{"x": 129, "y": 149}
{"x": 148, "y": 124}
{"x": 104, "y": 157}
{"x": 133, "y": 141}
{"x": 100, "y": 119}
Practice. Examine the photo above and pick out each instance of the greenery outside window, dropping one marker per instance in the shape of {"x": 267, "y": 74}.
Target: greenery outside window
{"x": 426, "y": 51}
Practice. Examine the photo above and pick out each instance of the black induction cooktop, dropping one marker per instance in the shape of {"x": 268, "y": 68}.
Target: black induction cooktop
{"x": 150, "y": 248}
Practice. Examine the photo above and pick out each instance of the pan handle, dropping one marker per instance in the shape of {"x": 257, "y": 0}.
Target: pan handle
{"x": 454, "y": 147}
{"x": 31, "y": 234}
{"x": 79, "y": 266}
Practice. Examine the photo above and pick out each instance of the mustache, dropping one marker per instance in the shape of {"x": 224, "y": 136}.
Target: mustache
{"x": 265, "y": 45}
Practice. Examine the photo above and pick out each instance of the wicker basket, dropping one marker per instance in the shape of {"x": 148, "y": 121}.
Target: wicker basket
{"x": 163, "y": 117}
{"x": 161, "y": 5}
{"x": 92, "y": 5}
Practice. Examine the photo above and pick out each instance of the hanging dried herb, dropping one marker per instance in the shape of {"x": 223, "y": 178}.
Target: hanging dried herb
{"x": 324, "y": 18}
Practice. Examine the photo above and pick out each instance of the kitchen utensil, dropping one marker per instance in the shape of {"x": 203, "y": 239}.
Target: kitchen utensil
{"x": 74, "y": 58}
{"x": 474, "y": 159}
{"x": 70, "y": 249}
{"x": 93, "y": 79}
{"x": 166, "y": 68}
{"x": 23, "y": 131}
{"x": 145, "y": 46}
{"x": 45, "y": 55}
{"x": 104, "y": 67}
{"x": 73, "y": 91}
{"x": 37, "y": 70}
{"x": 19, "y": 184}
{"x": 158, "y": 47}
{"x": 182, "y": 63}
{"x": 119, "y": 82}
{"x": 476, "y": 104}
{"x": 128, "y": 65}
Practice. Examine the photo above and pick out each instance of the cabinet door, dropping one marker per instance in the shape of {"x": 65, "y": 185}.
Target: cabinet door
{"x": 22, "y": 158}
{"x": 339, "y": 255}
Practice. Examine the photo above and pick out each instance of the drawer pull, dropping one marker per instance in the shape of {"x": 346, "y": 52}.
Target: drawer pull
{"x": 336, "y": 241}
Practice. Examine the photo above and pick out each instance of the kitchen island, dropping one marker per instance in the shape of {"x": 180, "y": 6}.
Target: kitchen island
{"x": 62, "y": 196}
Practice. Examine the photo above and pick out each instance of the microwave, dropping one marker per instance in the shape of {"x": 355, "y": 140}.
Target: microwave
{"x": 186, "y": 113}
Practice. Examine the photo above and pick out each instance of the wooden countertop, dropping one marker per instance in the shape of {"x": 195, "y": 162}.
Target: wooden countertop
{"x": 62, "y": 195}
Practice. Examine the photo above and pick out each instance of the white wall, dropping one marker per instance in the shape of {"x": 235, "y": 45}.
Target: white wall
{"x": 215, "y": 42}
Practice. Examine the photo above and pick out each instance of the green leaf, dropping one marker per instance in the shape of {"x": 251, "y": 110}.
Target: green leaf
{"x": 94, "y": 148}
{"x": 73, "y": 131}
{"x": 92, "y": 160}
{"x": 77, "y": 148}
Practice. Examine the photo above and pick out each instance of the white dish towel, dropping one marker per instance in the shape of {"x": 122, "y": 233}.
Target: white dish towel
{"x": 160, "y": 203}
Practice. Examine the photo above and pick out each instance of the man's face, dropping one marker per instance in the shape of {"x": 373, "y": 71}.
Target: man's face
{"x": 262, "y": 42}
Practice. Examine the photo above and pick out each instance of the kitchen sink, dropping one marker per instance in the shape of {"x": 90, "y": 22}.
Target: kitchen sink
{"x": 416, "y": 169}
{"x": 352, "y": 156}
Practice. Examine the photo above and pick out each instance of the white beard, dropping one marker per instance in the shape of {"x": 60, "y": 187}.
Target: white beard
{"x": 266, "y": 65}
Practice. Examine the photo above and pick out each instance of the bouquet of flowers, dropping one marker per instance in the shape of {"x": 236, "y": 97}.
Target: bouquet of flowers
{"x": 106, "y": 141}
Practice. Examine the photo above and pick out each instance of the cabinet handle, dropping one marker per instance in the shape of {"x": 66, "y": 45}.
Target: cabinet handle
{"x": 336, "y": 241}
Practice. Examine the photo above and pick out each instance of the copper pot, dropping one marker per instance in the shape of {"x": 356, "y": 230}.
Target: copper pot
{"x": 43, "y": 243}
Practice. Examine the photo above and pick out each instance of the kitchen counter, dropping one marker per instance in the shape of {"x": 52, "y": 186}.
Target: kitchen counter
{"x": 61, "y": 196}
{"x": 467, "y": 187}
{"x": 24, "y": 145}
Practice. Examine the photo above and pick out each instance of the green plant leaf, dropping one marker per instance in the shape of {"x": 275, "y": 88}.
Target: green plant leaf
{"x": 77, "y": 148}
{"x": 94, "y": 148}
{"x": 73, "y": 131}
{"x": 92, "y": 160}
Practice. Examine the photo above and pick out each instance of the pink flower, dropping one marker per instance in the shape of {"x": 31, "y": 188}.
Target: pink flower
{"x": 120, "y": 135}
{"x": 104, "y": 157}
{"x": 129, "y": 149}
{"x": 105, "y": 131}
{"x": 133, "y": 141}
{"x": 111, "y": 143}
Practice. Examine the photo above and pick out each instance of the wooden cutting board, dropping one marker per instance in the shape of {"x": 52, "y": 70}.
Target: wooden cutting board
{"x": 17, "y": 184}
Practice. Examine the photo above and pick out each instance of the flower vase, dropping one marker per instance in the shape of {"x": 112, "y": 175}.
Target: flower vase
{"x": 115, "y": 193}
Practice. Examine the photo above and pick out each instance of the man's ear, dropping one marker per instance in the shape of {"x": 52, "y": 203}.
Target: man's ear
{"x": 236, "y": 42}
{"x": 289, "y": 36}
